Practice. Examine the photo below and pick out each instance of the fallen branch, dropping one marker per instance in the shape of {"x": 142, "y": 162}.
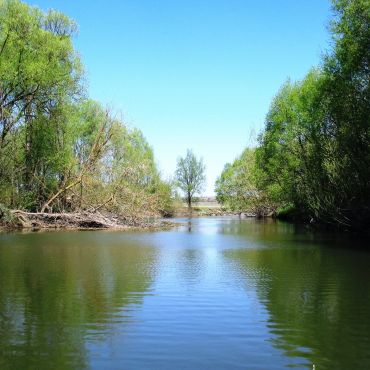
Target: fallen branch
{"x": 81, "y": 220}
{"x": 77, "y": 220}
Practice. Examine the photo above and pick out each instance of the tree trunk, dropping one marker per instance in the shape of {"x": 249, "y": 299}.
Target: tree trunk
{"x": 189, "y": 200}
{"x": 59, "y": 192}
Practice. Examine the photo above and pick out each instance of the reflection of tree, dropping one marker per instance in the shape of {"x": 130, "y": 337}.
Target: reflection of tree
{"x": 191, "y": 266}
{"x": 318, "y": 300}
{"x": 53, "y": 295}
{"x": 265, "y": 230}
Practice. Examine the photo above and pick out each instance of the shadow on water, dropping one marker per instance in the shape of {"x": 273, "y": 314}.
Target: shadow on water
{"x": 57, "y": 293}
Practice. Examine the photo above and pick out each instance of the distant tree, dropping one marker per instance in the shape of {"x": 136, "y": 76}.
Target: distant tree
{"x": 235, "y": 188}
{"x": 190, "y": 175}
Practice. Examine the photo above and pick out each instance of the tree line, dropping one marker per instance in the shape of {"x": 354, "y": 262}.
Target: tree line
{"x": 59, "y": 150}
{"x": 312, "y": 160}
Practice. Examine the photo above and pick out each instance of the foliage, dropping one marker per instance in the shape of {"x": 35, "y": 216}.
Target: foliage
{"x": 60, "y": 151}
{"x": 190, "y": 175}
{"x": 314, "y": 153}
{"x": 292, "y": 147}
{"x": 6, "y": 217}
{"x": 236, "y": 187}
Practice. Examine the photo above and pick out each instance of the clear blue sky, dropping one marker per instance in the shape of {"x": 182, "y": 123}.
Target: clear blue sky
{"x": 195, "y": 74}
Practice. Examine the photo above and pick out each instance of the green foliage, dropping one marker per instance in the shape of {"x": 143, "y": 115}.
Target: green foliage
{"x": 235, "y": 188}
{"x": 290, "y": 213}
{"x": 6, "y": 218}
{"x": 39, "y": 80}
{"x": 39, "y": 68}
{"x": 315, "y": 149}
{"x": 127, "y": 177}
{"x": 292, "y": 146}
{"x": 190, "y": 175}
{"x": 314, "y": 153}
{"x": 58, "y": 150}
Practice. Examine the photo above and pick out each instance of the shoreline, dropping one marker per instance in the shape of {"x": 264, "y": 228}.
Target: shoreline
{"x": 18, "y": 220}
{"x": 208, "y": 212}
{"x": 22, "y": 221}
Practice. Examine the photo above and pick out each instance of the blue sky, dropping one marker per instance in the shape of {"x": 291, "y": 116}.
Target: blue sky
{"x": 195, "y": 74}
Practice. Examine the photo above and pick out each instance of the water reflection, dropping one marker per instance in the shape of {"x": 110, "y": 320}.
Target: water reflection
{"x": 318, "y": 300}
{"x": 226, "y": 294}
{"x": 59, "y": 291}
{"x": 189, "y": 225}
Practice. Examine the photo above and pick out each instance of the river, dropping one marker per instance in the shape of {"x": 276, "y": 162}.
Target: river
{"x": 213, "y": 293}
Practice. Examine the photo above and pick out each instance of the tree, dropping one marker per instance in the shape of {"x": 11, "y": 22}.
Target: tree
{"x": 190, "y": 175}
{"x": 59, "y": 150}
{"x": 315, "y": 150}
{"x": 40, "y": 76}
{"x": 314, "y": 153}
{"x": 235, "y": 186}
{"x": 293, "y": 147}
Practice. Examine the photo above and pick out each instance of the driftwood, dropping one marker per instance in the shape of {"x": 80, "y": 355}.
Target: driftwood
{"x": 80, "y": 220}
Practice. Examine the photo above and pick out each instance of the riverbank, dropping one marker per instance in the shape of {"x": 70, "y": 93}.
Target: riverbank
{"x": 87, "y": 220}
{"x": 209, "y": 212}
{"x": 83, "y": 220}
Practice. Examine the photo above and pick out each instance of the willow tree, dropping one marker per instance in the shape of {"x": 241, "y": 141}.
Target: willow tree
{"x": 314, "y": 153}
{"x": 190, "y": 175}
{"x": 39, "y": 80}
{"x": 60, "y": 151}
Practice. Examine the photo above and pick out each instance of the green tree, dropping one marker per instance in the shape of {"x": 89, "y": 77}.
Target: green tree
{"x": 314, "y": 152}
{"x": 60, "y": 151}
{"x": 190, "y": 175}
{"x": 292, "y": 146}
{"x": 39, "y": 80}
{"x": 235, "y": 186}
{"x": 347, "y": 96}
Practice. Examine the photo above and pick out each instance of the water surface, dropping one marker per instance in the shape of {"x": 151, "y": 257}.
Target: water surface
{"x": 215, "y": 293}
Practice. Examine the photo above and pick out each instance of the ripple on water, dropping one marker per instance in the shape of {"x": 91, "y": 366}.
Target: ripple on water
{"x": 216, "y": 293}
